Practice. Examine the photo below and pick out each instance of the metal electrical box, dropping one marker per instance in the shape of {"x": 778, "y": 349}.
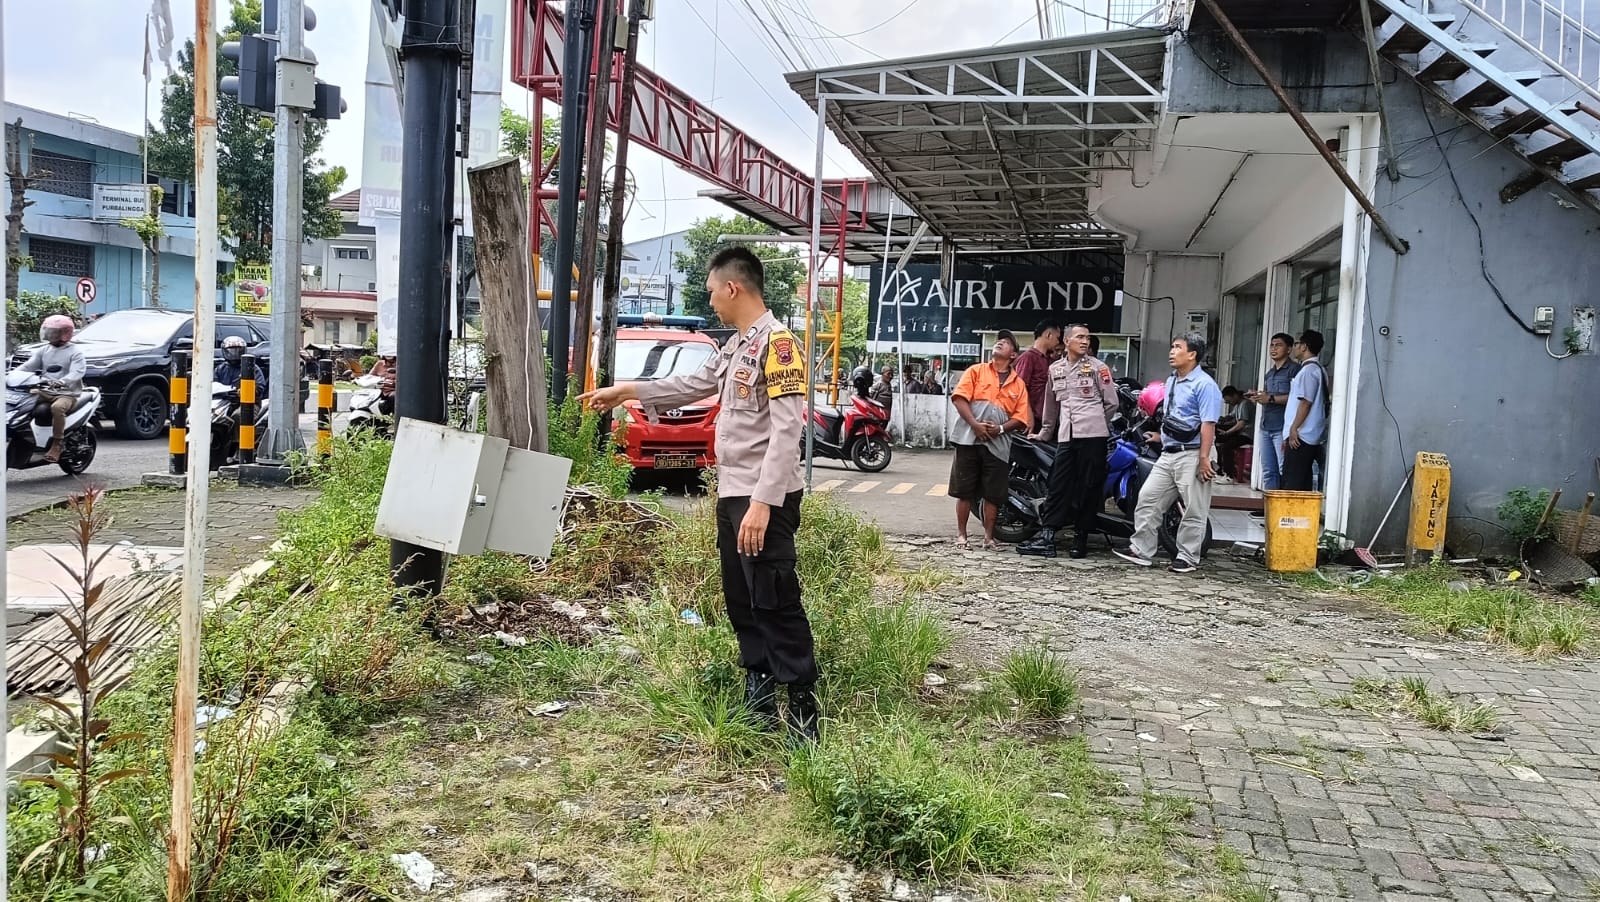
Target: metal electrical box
{"x": 462, "y": 492}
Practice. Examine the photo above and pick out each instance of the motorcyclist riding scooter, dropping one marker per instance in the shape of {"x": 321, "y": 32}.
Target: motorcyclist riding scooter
{"x": 60, "y": 364}
{"x": 226, "y": 404}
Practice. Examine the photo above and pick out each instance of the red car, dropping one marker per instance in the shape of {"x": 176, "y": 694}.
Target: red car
{"x": 656, "y": 347}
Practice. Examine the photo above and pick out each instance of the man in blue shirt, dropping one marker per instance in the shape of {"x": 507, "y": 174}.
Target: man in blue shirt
{"x": 1308, "y": 404}
{"x": 1273, "y": 399}
{"x": 1188, "y": 429}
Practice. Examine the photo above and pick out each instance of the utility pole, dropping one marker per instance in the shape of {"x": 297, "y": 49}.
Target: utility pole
{"x": 574, "y": 101}
{"x": 599, "y": 104}
{"x": 180, "y": 839}
{"x": 288, "y": 186}
{"x": 619, "y": 186}
{"x": 430, "y": 52}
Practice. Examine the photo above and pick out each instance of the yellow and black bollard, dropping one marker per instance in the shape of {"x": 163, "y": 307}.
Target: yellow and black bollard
{"x": 178, "y": 430}
{"x": 247, "y": 410}
{"x": 324, "y": 407}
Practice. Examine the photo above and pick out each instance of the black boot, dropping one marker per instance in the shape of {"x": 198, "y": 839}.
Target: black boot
{"x": 1042, "y": 545}
{"x": 761, "y": 698}
{"x": 802, "y": 715}
{"x": 1080, "y": 546}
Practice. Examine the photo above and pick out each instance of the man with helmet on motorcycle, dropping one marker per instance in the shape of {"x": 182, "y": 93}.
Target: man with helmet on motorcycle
{"x": 230, "y": 369}
{"x": 61, "y": 365}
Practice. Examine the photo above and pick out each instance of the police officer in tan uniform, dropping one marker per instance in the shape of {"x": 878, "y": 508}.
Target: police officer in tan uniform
{"x": 1082, "y": 396}
{"x": 760, "y": 378}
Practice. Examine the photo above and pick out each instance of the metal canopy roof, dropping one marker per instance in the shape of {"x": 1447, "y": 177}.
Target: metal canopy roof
{"x": 999, "y": 148}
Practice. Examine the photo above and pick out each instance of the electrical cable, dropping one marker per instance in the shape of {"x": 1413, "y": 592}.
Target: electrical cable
{"x": 856, "y": 34}
{"x": 1483, "y": 259}
{"x": 1184, "y": 36}
{"x": 757, "y": 82}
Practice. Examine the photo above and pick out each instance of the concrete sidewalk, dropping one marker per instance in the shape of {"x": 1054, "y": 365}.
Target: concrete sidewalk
{"x": 1244, "y": 695}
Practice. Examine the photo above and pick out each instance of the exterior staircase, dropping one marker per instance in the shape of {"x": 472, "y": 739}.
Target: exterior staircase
{"x": 1531, "y": 81}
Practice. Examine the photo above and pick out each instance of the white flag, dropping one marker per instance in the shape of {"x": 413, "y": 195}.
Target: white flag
{"x": 161, "y": 17}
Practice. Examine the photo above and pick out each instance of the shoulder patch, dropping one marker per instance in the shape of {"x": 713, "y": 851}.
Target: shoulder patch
{"x": 785, "y": 371}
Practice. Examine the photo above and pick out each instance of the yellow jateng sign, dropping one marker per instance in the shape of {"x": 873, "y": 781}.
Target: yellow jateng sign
{"x": 1430, "y": 504}
{"x": 252, "y": 289}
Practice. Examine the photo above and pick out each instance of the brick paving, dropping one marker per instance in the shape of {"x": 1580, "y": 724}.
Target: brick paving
{"x": 1220, "y": 687}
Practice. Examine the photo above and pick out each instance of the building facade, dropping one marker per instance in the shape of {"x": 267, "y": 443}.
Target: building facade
{"x": 90, "y": 178}
{"x": 651, "y": 279}
{"x": 339, "y": 284}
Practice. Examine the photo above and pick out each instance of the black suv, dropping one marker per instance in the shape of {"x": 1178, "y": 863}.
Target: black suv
{"x": 129, "y": 354}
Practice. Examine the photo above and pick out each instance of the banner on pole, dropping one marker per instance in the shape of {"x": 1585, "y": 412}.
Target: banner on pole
{"x": 252, "y": 289}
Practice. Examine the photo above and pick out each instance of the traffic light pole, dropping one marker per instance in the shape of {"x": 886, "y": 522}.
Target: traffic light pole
{"x": 574, "y": 102}
{"x": 430, "y": 53}
{"x": 288, "y": 182}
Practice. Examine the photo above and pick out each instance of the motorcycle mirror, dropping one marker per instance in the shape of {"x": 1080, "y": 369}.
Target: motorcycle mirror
{"x": 183, "y": 344}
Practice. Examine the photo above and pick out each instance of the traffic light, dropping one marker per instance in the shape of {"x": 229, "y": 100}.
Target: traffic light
{"x": 255, "y": 85}
{"x": 263, "y": 75}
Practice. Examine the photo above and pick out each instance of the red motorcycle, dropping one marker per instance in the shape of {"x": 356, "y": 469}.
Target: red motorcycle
{"x": 858, "y": 434}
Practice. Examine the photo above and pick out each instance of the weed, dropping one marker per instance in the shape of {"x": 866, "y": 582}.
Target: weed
{"x": 575, "y": 434}
{"x": 1040, "y": 680}
{"x": 1512, "y": 616}
{"x": 1521, "y": 512}
{"x": 1545, "y": 843}
{"x": 1415, "y": 696}
{"x": 708, "y": 712}
{"x": 890, "y": 798}
{"x": 1274, "y": 674}
{"x": 88, "y": 733}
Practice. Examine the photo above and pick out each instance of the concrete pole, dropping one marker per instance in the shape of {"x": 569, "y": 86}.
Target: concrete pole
{"x": 180, "y": 840}
{"x": 288, "y": 186}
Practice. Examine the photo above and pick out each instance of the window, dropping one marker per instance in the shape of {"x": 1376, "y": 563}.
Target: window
{"x": 330, "y": 331}
{"x": 60, "y": 258}
{"x": 68, "y": 175}
{"x": 173, "y": 193}
{"x": 227, "y": 325}
{"x": 361, "y": 333}
{"x": 352, "y": 253}
{"x": 646, "y": 359}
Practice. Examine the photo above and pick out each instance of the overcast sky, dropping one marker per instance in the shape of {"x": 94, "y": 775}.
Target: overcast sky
{"x": 84, "y": 57}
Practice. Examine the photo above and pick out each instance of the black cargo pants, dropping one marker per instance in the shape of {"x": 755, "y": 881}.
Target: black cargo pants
{"x": 763, "y": 594}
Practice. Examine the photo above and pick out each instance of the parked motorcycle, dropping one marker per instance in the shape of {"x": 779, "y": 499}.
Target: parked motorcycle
{"x": 858, "y": 434}
{"x": 1129, "y": 461}
{"x": 28, "y": 426}
{"x": 225, "y": 417}
{"x": 370, "y": 409}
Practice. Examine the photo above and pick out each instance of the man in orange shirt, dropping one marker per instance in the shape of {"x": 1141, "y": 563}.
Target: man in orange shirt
{"x": 993, "y": 403}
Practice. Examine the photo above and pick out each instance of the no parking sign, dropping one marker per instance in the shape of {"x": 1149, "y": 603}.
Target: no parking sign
{"x": 85, "y": 291}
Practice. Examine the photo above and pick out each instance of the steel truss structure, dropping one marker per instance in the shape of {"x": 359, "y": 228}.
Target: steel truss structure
{"x": 1000, "y": 148}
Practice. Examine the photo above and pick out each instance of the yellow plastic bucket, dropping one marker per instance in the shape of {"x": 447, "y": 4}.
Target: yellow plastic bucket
{"x": 1294, "y": 527}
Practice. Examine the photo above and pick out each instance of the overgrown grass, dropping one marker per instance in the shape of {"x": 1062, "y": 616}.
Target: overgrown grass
{"x": 650, "y": 781}
{"x": 1040, "y": 680}
{"x": 1514, "y": 617}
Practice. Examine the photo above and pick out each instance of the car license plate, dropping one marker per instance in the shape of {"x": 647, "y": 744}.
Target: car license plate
{"x": 675, "y": 461}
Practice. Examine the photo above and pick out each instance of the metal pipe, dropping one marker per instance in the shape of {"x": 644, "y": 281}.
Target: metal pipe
{"x": 432, "y": 65}
{"x": 5, "y": 669}
{"x": 1205, "y": 220}
{"x": 589, "y": 247}
{"x": 1400, "y": 245}
{"x": 574, "y": 100}
{"x": 619, "y": 186}
{"x": 206, "y": 236}
{"x": 815, "y": 277}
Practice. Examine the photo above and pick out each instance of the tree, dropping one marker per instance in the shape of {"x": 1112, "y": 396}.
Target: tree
{"x": 244, "y": 154}
{"x": 516, "y": 136}
{"x": 854, "y": 345}
{"x": 150, "y": 230}
{"x": 20, "y": 181}
{"x": 25, "y": 314}
{"x": 784, "y": 268}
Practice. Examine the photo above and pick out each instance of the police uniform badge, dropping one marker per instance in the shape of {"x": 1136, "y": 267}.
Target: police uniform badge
{"x": 785, "y": 372}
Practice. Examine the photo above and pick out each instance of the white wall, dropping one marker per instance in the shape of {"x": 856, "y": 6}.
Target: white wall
{"x": 1300, "y": 221}
{"x": 1192, "y": 283}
